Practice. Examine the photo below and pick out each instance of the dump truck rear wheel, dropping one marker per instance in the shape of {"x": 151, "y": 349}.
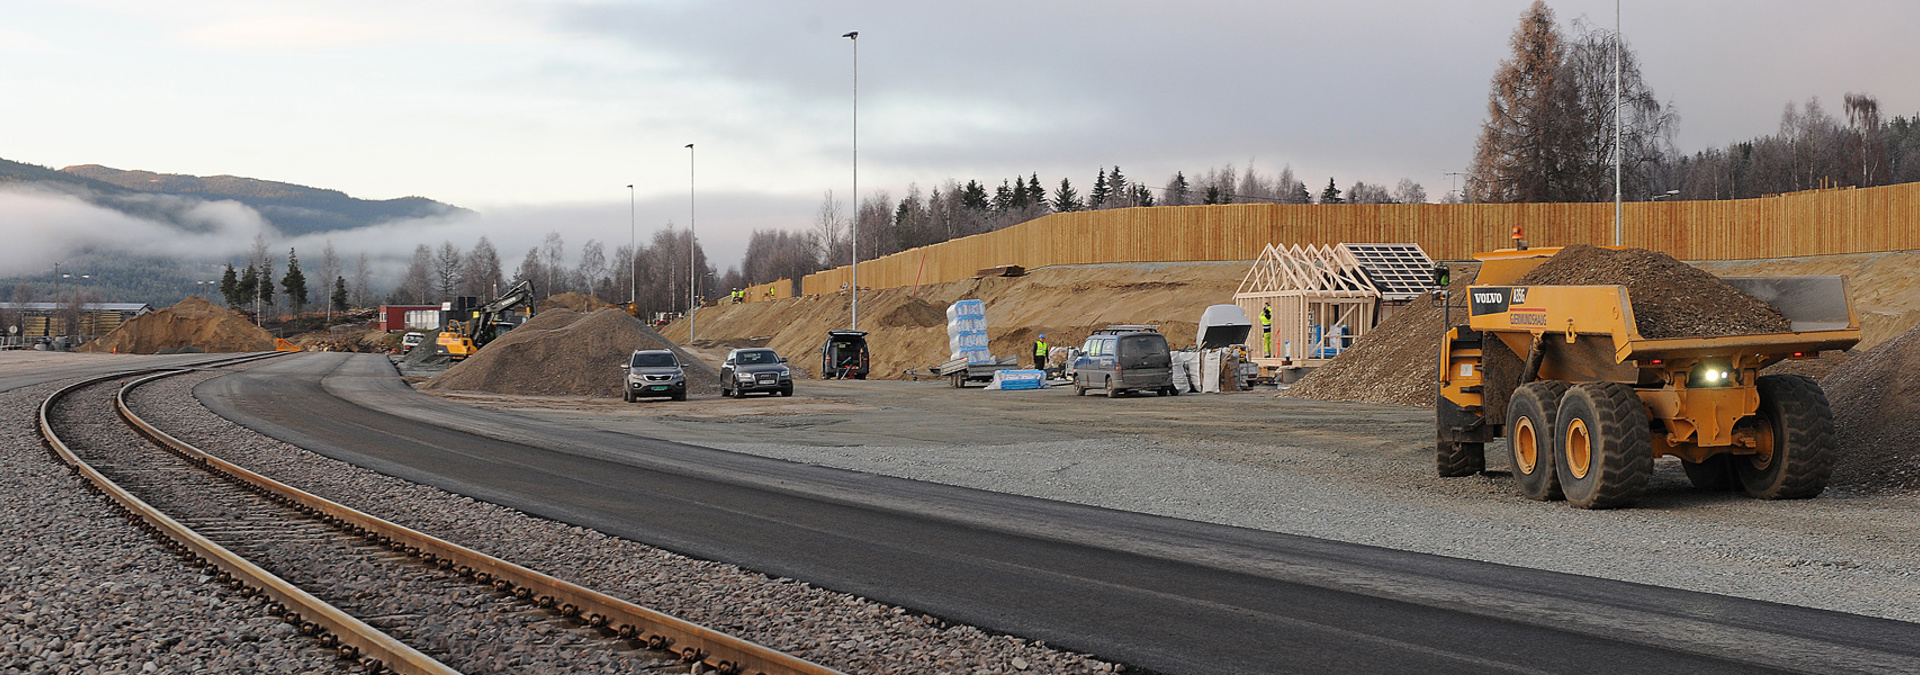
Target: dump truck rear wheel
{"x": 1603, "y": 451}
{"x": 1455, "y": 459}
{"x": 1530, "y": 437}
{"x": 1714, "y": 475}
{"x": 1796, "y": 418}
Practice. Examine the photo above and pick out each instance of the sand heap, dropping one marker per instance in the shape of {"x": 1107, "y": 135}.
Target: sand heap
{"x": 192, "y": 322}
{"x": 1671, "y": 299}
{"x": 1394, "y": 363}
{"x": 1876, "y": 415}
{"x": 561, "y": 352}
{"x": 578, "y": 302}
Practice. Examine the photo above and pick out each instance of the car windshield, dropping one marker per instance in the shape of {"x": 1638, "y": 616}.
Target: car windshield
{"x": 758, "y": 356}
{"x": 653, "y": 360}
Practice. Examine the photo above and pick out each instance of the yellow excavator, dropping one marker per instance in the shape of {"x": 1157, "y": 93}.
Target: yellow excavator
{"x": 461, "y": 338}
{"x": 1586, "y": 402}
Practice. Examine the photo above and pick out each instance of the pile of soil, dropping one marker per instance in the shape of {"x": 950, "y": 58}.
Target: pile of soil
{"x": 1876, "y": 415}
{"x": 1671, "y": 299}
{"x": 565, "y": 353}
{"x": 192, "y": 322}
{"x": 578, "y": 302}
{"x": 914, "y": 313}
{"x": 1394, "y": 363}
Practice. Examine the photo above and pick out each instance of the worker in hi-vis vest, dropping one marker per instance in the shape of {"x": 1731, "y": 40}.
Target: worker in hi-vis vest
{"x": 1266, "y": 328}
{"x": 1040, "y": 353}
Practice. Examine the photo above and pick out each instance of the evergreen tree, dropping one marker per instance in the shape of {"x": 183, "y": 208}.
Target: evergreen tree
{"x": 1018, "y": 196}
{"x": 1141, "y": 195}
{"x": 1331, "y": 195}
{"x": 294, "y": 283}
{"x": 1213, "y": 195}
{"x": 230, "y": 288}
{"x": 265, "y": 286}
{"x": 974, "y": 196}
{"x": 1117, "y": 188}
{"x": 1101, "y": 192}
{"x": 1036, "y": 194}
{"x": 340, "y": 294}
{"x": 1065, "y": 198}
{"x": 1300, "y": 194}
{"x": 1179, "y": 189}
{"x": 1002, "y": 197}
{"x": 246, "y": 290}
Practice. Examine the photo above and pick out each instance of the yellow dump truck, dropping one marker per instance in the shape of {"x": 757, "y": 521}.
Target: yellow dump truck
{"x": 1586, "y": 403}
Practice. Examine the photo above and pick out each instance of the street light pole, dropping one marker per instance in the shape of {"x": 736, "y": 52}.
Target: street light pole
{"x": 1618, "y": 151}
{"x": 633, "y": 250}
{"x": 693, "y": 284}
{"x": 855, "y": 37}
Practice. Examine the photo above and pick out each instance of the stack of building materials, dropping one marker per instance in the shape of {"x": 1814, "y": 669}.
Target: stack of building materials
{"x": 1018, "y": 379}
{"x": 967, "y": 332}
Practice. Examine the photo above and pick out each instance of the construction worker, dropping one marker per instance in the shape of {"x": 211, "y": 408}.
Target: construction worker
{"x": 1266, "y": 328}
{"x": 1040, "y": 353}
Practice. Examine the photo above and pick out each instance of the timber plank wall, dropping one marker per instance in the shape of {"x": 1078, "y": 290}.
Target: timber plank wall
{"x": 1818, "y": 222}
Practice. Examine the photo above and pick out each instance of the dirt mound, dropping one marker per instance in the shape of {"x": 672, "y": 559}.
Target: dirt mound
{"x": 1671, "y": 299}
{"x": 564, "y": 353}
{"x": 1066, "y": 302}
{"x": 914, "y": 313}
{"x": 1394, "y": 363}
{"x": 1876, "y": 415}
{"x": 192, "y": 322}
{"x": 578, "y": 302}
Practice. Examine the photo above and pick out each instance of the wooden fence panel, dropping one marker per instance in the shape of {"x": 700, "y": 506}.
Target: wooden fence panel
{"x": 1800, "y": 224}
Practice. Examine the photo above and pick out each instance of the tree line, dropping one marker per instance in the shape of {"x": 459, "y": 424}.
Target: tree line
{"x": 1550, "y": 133}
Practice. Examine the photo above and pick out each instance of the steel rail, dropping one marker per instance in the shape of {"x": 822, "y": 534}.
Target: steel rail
{"x": 718, "y": 651}
{"x": 331, "y": 626}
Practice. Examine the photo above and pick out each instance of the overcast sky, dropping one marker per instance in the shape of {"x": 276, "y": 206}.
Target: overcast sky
{"x": 538, "y": 114}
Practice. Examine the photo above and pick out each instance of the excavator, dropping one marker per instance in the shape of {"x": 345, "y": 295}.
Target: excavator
{"x": 460, "y": 339}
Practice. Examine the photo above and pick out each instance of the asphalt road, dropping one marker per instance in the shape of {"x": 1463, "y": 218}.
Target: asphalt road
{"x": 1169, "y": 595}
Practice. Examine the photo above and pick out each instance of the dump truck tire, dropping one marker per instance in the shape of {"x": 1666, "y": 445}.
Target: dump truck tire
{"x": 1714, "y": 475}
{"x": 1797, "y": 418}
{"x": 1457, "y": 458}
{"x": 1603, "y": 450}
{"x": 1530, "y": 433}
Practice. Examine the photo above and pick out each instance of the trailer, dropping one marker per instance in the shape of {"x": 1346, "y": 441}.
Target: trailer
{"x": 959, "y": 371}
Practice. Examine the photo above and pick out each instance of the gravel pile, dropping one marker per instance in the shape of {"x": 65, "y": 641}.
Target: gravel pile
{"x": 851, "y": 633}
{"x": 564, "y": 353}
{"x": 1394, "y": 362}
{"x": 1876, "y": 415}
{"x": 435, "y": 611}
{"x": 81, "y": 590}
{"x": 1671, "y": 299}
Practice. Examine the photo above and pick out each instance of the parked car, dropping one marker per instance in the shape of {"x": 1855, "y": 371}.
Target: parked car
{"x": 1121, "y": 359}
{"x": 845, "y": 355}
{"x": 654, "y": 372}
{"x": 411, "y": 340}
{"x": 756, "y": 369}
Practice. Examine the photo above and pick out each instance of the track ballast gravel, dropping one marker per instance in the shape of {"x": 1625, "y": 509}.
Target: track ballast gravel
{"x": 471, "y": 627}
{"x": 843, "y": 631}
{"x": 83, "y": 590}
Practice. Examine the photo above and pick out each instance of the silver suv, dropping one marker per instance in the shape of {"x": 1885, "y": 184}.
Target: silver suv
{"x": 654, "y": 372}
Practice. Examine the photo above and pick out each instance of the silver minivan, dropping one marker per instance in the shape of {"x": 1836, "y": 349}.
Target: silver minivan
{"x": 1121, "y": 359}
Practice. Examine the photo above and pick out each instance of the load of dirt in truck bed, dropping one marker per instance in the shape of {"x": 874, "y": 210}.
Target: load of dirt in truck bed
{"x": 1671, "y": 299}
{"x": 1876, "y": 416}
{"x": 561, "y": 352}
{"x": 192, "y": 322}
{"x": 1394, "y": 363}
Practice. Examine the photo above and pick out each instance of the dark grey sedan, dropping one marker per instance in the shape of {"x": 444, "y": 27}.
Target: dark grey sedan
{"x": 756, "y": 369}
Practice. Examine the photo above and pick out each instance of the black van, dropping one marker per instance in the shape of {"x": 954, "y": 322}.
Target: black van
{"x": 1125, "y": 358}
{"x": 844, "y": 356}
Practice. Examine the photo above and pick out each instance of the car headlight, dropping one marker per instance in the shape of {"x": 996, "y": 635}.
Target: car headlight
{"x": 785, "y": 373}
{"x": 743, "y": 377}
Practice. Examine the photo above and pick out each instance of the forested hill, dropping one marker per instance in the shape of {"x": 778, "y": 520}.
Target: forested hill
{"x": 294, "y": 209}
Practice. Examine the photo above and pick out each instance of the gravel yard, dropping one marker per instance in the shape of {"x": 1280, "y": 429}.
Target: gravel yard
{"x": 1350, "y": 472}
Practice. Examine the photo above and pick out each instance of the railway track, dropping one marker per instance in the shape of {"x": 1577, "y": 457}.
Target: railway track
{"x": 387, "y": 598}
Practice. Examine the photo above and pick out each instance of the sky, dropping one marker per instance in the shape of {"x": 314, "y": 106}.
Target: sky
{"x": 539, "y": 114}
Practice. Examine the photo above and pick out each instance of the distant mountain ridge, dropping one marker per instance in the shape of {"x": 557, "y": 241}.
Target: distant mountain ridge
{"x": 294, "y": 209}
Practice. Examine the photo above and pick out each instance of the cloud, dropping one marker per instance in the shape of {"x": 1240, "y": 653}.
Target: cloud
{"x": 44, "y": 226}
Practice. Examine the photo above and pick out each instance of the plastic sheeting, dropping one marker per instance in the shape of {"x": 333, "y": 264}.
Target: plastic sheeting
{"x": 967, "y": 332}
{"x": 1018, "y": 379}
